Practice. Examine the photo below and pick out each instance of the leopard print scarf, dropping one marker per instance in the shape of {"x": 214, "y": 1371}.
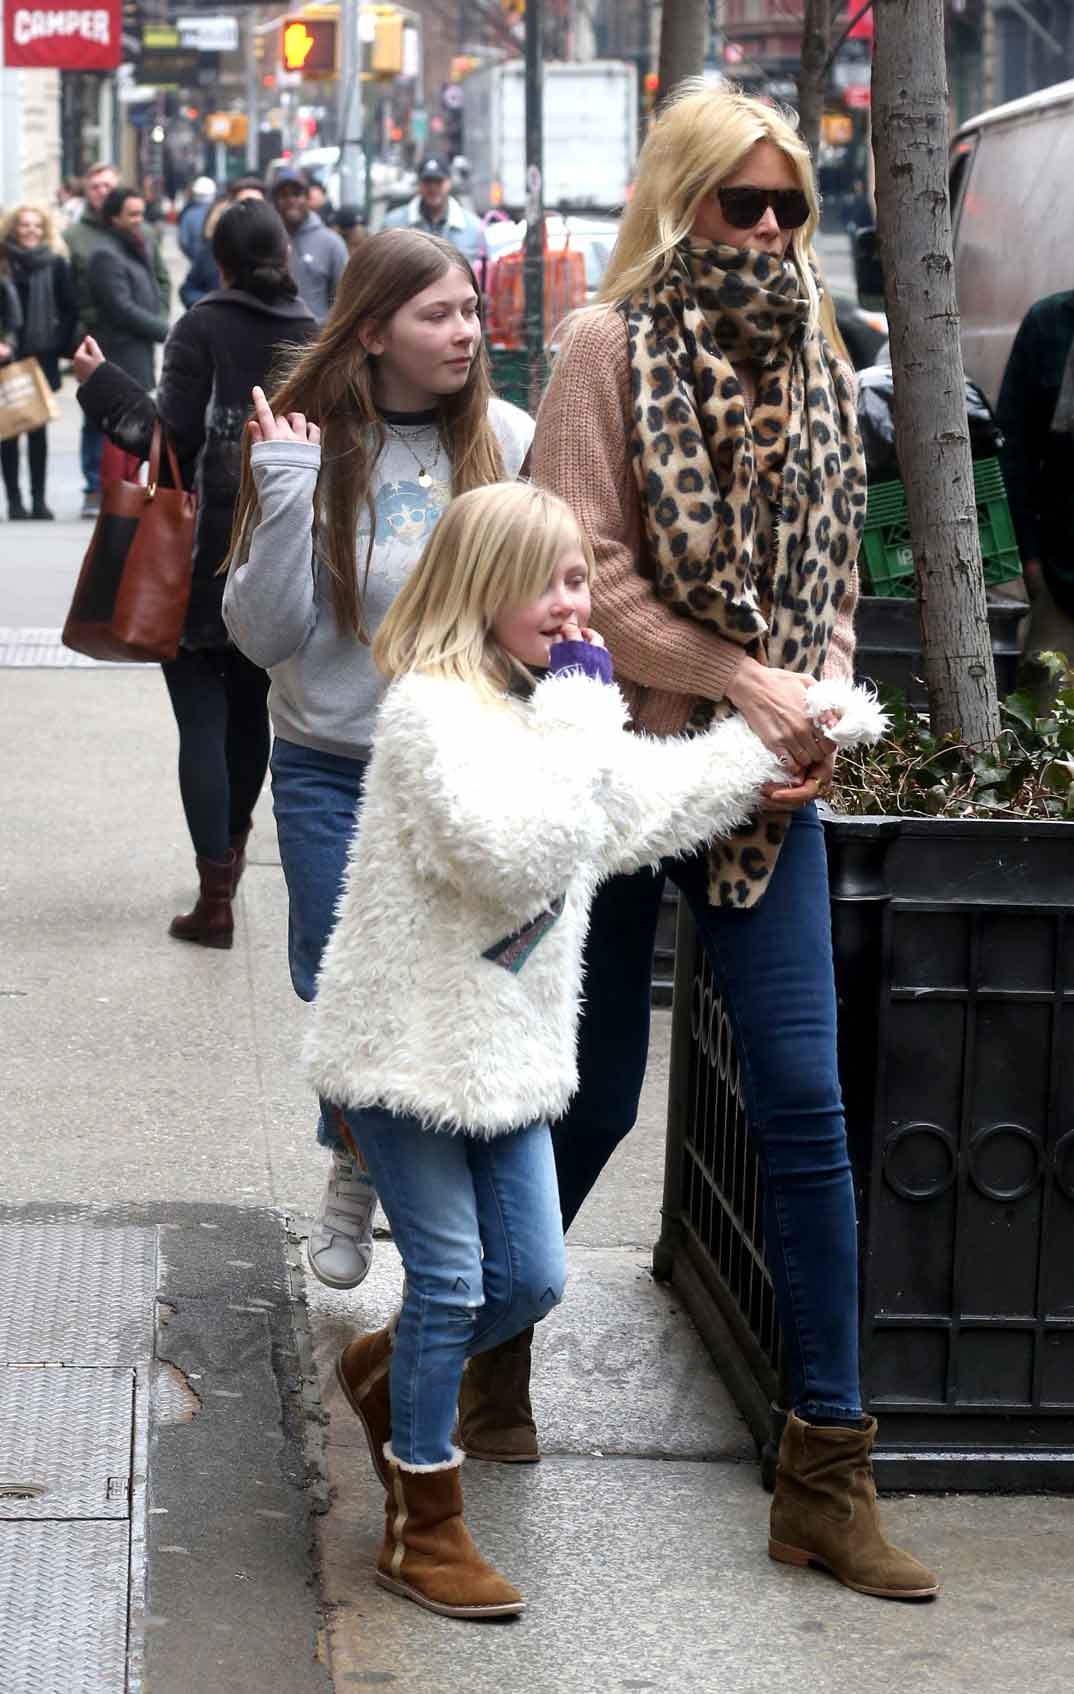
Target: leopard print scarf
{"x": 711, "y": 475}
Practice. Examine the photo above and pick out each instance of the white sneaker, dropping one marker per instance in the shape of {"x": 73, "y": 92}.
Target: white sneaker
{"x": 340, "y": 1245}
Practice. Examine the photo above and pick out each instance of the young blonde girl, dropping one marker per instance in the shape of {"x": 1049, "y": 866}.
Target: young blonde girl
{"x": 444, "y": 1026}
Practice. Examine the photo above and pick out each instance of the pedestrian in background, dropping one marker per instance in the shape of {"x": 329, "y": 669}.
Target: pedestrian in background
{"x": 203, "y": 277}
{"x": 321, "y": 203}
{"x": 1036, "y": 414}
{"x": 320, "y": 257}
{"x": 42, "y": 278}
{"x": 82, "y": 239}
{"x": 435, "y": 210}
{"x": 448, "y": 999}
{"x": 130, "y": 314}
{"x": 705, "y": 433}
{"x": 330, "y": 523}
{"x": 349, "y": 224}
{"x": 193, "y": 215}
{"x": 10, "y": 331}
{"x": 213, "y": 357}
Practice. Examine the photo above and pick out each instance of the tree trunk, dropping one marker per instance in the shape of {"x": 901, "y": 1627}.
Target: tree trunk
{"x": 684, "y": 28}
{"x": 813, "y": 71}
{"x": 910, "y": 130}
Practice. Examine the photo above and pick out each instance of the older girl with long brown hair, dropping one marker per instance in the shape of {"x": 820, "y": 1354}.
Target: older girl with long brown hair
{"x": 348, "y": 467}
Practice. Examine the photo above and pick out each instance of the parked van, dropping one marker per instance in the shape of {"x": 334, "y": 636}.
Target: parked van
{"x": 1012, "y": 208}
{"x": 1012, "y": 211}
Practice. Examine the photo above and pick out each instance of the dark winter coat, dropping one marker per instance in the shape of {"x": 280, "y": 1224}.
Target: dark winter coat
{"x": 1038, "y": 464}
{"x": 130, "y": 315}
{"x": 10, "y": 317}
{"x": 62, "y": 341}
{"x": 214, "y": 356}
{"x": 83, "y": 239}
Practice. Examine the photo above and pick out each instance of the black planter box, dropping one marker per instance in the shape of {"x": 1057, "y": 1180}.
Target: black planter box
{"x": 889, "y": 645}
{"x": 954, "y": 954}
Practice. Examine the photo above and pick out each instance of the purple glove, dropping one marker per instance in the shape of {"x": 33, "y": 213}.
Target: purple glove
{"x": 568, "y": 656}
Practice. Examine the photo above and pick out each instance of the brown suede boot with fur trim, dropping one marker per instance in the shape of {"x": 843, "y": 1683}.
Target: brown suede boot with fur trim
{"x": 428, "y": 1555}
{"x": 495, "y": 1415}
{"x": 824, "y": 1513}
{"x": 362, "y": 1371}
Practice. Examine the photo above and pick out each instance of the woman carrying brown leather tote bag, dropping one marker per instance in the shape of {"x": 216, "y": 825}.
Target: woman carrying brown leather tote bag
{"x": 132, "y": 593}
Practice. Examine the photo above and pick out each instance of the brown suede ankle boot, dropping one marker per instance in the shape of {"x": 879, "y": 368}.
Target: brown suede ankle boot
{"x": 238, "y": 848}
{"x": 824, "y": 1513}
{"x": 362, "y": 1371}
{"x": 495, "y": 1415}
{"x": 428, "y": 1555}
{"x": 210, "y": 924}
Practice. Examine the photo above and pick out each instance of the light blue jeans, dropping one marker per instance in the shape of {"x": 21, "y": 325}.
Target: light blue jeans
{"x": 478, "y": 1226}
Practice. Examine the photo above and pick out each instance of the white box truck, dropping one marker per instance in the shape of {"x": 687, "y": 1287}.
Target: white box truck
{"x": 590, "y": 134}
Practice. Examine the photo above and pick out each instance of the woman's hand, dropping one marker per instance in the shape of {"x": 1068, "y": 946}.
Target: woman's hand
{"x": 292, "y": 427}
{"x": 816, "y": 779}
{"x": 773, "y": 704}
{"x": 87, "y": 357}
{"x": 5, "y": 350}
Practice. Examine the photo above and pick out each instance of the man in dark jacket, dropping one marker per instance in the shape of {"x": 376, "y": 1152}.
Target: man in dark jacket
{"x": 131, "y": 315}
{"x": 1036, "y": 415}
{"x": 82, "y": 238}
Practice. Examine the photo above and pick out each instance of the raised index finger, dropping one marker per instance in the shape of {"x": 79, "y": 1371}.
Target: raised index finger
{"x": 263, "y": 414}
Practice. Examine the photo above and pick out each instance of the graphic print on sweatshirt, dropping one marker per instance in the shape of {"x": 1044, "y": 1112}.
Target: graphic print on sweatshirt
{"x": 514, "y": 950}
{"x": 407, "y": 512}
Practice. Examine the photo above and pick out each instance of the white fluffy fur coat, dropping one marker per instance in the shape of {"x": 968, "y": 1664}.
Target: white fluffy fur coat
{"x": 481, "y": 820}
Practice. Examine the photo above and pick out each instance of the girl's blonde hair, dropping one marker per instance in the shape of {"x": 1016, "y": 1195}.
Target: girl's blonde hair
{"x": 49, "y": 232}
{"x": 493, "y": 548}
{"x": 331, "y": 383}
{"x": 699, "y": 139}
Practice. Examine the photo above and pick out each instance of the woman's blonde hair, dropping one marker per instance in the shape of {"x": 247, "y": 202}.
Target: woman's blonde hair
{"x": 493, "y": 548}
{"x": 699, "y": 139}
{"x": 49, "y": 233}
{"x": 331, "y": 384}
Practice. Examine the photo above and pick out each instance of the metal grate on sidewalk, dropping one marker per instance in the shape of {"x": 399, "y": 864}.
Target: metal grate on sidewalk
{"x": 42, "y": 649}
{"x": 76, "y": 1349}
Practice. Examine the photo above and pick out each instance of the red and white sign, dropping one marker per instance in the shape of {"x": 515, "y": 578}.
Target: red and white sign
{"x": 63, "y": 37}
{"x": 858, "y": 96}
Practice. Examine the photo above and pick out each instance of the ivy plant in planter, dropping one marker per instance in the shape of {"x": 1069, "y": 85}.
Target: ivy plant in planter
{"x": 952, "y": 890}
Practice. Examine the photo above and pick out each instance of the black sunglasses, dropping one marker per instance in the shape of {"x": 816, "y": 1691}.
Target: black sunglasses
{"x": 744, "y": 207}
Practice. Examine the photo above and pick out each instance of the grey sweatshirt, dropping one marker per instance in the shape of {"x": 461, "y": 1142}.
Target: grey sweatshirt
{"x": 278, "y": 609}
{"x": 318, "y": 260}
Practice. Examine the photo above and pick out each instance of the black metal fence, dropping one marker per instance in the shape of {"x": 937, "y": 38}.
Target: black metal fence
{"x": 954, "y": 949}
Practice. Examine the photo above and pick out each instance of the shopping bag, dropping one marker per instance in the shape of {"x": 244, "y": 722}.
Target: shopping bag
{"x": 26, "y": 400}
{"x": 132, "y": 593}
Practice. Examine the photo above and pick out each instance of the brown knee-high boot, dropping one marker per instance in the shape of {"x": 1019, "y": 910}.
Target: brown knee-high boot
{"x": 824, "y": 1513}
{"x": 238, "y": 850}
{"x": 210, "y": 923}
{"x": 428, "y": 1554}
{"x": 495, "y": 1415}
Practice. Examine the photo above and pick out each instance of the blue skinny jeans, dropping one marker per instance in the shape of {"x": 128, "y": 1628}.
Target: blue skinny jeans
{"x": 477, "y": 1224}
{"x": 314, "y": 797}
{"x": 773, "y": 964}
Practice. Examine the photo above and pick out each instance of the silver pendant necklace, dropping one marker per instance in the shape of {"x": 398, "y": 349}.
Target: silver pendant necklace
{"x": 425, "y": 479}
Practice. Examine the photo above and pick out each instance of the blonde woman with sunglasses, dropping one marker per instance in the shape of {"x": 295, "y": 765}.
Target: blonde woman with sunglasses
{"x": 702, "y": 425}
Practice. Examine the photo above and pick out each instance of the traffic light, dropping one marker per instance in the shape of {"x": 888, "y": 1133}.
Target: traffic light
{"x": 308, "y": 45}
{"x": 386, "y": 58}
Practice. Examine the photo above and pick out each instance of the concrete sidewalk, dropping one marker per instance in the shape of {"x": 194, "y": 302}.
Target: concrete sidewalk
{"x": 156, "y": 1085}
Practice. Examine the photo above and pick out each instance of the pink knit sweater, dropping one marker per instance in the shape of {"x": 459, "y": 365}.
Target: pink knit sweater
{"x": 581, "y": 451}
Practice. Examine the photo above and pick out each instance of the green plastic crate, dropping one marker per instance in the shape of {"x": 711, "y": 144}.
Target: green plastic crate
{"x": 887, "y": 559}
{"x": 510, "y": 375}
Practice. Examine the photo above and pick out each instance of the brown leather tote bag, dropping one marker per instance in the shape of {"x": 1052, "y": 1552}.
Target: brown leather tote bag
{"x": 132, "y": 593}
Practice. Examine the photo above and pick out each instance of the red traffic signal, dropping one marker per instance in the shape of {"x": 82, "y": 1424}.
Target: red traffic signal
{"x": 308, "y": 46}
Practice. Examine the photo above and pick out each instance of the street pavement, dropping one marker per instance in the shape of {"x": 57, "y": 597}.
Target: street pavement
{"x": 152, "y": 1098}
